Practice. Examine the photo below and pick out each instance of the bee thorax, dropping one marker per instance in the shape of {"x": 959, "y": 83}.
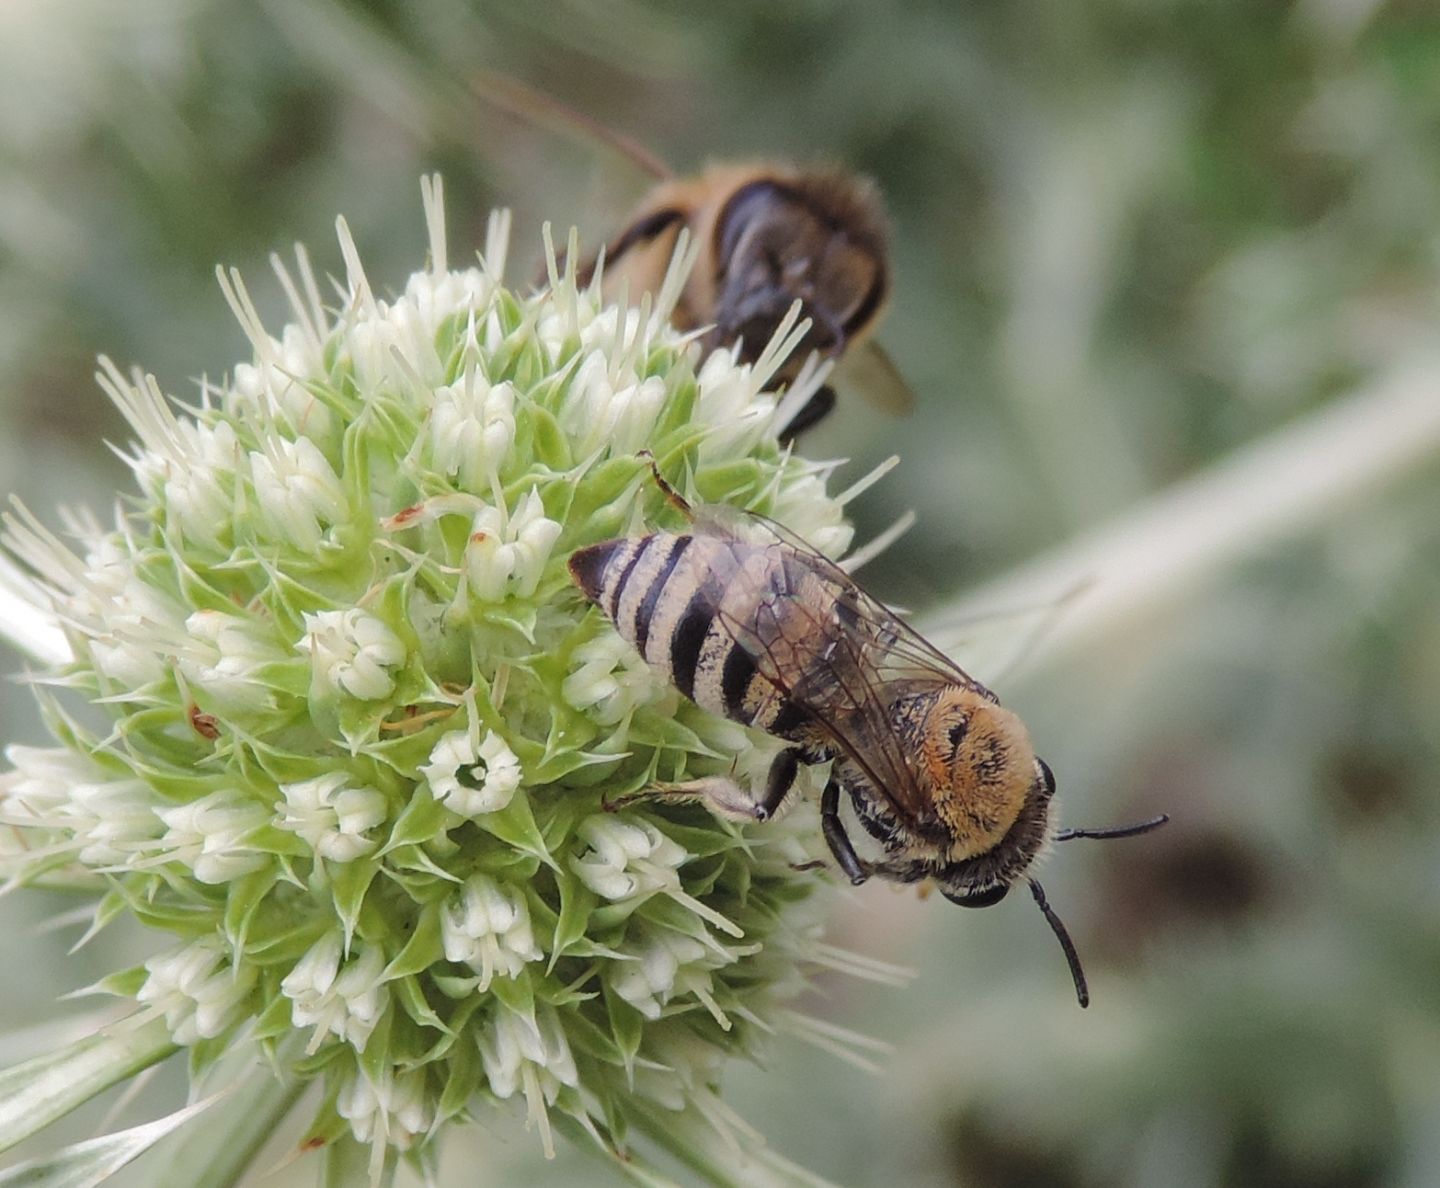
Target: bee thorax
{"x": 977, "y": 763}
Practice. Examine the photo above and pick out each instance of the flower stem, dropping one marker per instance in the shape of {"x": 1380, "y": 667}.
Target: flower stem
{"x": 1280, "y": 485}
{"x": 351, "y": 1164}
{"x": 725, "y": 1164}
{"x": 219, "y": 1155}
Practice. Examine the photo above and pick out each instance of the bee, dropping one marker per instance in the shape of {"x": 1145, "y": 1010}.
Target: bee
{"x": 749, "y": 622}
{"x": 768, "y": 235}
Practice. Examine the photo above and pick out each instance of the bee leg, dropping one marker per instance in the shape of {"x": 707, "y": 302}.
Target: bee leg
{"x": 676, "y": 499}
{"x": 820, "y": 406}
{"x": 835, "y": 836}
{"x": 779, "y": 782}
{"x": 722, "y": 796}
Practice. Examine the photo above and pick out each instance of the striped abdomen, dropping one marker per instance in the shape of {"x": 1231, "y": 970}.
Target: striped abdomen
{"x": 673, "y": 596}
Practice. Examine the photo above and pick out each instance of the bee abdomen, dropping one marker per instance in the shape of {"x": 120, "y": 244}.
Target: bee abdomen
{"x": 628, "y": 578}
{"x": 589, "y": 566}
{"x": 666, "y": 597}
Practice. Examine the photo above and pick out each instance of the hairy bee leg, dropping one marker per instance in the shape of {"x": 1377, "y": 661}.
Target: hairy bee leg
{"x": 836, "y": 837}
{"x": 779, "y": 782}
{"x": 722, "y": 796}
{"x": 819, "y": 407}
{"x": 676, "y": 500}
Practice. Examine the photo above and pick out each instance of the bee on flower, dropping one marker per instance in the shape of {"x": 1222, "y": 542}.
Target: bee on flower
{"x": 349, "y": 731}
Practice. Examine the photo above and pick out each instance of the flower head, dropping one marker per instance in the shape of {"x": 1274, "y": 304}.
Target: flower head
{"x": 211, "y": 835}
{"x": 343, "y": 998}
{"x": 333, "y": 817}
{"x": 396, "y": 1111}
{"x": 298, "y": 491}
{"x": 362, "y": 729}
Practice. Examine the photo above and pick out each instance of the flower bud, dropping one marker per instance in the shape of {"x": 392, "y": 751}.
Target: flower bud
{"x": 353, "y": 652}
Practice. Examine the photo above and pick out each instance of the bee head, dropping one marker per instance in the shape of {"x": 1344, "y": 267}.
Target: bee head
{"x": 750, "y": 317}
{"x": 778, "y": 243}
{"x": 986, "y": 878}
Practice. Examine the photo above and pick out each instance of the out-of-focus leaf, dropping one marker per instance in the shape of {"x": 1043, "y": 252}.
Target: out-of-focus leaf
{"x": 351, "y": 1164}
{"x": 82, "y": 1165}
{"x": 33, "y": 1094}
{"x": 739, "y": 1159}
{"x": 218, "y": 1155}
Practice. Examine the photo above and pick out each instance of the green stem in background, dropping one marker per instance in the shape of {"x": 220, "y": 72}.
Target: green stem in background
{"x": 743, "y": 1161}
{"x": 348, "y": 1164}
{"x": 1275, "y": 487}
{"x": 36, "y": 1092}
{"x": 218, "y": 1151}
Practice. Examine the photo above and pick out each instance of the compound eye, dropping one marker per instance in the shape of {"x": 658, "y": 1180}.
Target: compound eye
{"x": 1048, "y": 776}
{"x": 978, "y": 899}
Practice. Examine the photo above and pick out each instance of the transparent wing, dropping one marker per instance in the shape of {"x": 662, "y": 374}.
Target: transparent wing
{"x": 832, "y": 650}
{"x": 890, "y": 646}
{"x": 545, "y": 111}
{"x": 868, "y": 371}
{"x": 830, "y": 685}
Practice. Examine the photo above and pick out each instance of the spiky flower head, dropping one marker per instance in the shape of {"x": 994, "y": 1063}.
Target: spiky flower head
{"x": 351, "y": 732}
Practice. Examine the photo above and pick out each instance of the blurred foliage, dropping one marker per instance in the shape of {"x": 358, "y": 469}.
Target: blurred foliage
{"x": 1128, "y": 239}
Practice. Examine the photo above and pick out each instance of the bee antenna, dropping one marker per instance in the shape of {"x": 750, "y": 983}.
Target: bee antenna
{"x": 1115, "y": 831}
{"x": 1082, "y": 989}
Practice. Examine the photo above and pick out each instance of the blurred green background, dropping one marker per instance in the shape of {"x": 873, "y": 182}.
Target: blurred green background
{"x": 1130, "y": 238}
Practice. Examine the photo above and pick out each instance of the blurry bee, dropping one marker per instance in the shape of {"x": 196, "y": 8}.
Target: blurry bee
{"x": 768, "y": 235}
{"x": 767, "y": 632}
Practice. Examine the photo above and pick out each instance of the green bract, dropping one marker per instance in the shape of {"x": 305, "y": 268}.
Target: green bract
{"x": 359, "y": 728}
